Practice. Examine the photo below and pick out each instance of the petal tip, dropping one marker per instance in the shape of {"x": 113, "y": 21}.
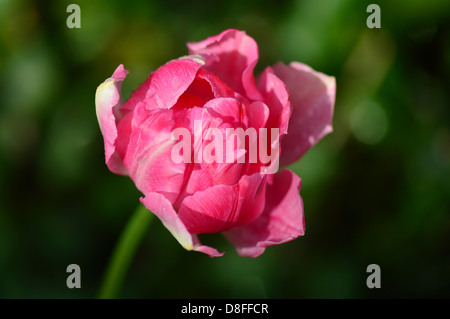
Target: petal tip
{"x": 120, "y": 73}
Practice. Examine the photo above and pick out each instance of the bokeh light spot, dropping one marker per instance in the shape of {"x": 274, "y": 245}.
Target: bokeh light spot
{"x": 368, "y": 122}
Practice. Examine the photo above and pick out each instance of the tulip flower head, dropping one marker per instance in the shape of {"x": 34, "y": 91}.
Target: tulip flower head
{"x": 203, "y": 140}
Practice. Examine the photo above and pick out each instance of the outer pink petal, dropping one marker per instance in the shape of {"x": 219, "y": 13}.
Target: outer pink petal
{"x": 312, "y": 98}
{"x": 162, "y": 208}
{"x": 232, "y": 56}
{"x": 282, "y": 219}
{"x": 221, "y": 207}
{"x": 164, "y": 86}
{"x": 108, "y": 104}
{"x": 138, "y": 96}
{"x": 148, "y": 157}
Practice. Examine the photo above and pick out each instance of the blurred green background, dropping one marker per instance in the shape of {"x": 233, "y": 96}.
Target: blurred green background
{"x": 376, "y": 190}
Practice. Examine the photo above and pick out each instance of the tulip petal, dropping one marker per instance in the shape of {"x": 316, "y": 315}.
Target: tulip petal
{"x": 201, "y": 173}
{"x": 107, "y": 105}
{"x": 232, "y": 56}
{"x": 282, "y": 219}
{"x": 205, "y": 87}
{"x": 258, "y": 114}
{"x": 218, "y": 87}
{"x": 227, "y": 109}
{"x": 149, "y": 155}
{"x": 312, "y": 97}
{"x": 162, "y": 208}
{"x": 221, "y": 207}
{"x": 276, "y": 96}
{"x": 165, "y": 85}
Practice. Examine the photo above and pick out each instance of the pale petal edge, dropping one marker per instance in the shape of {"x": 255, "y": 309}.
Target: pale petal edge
{"x": 107, "y": 105}
{"x": 163, "y": 209}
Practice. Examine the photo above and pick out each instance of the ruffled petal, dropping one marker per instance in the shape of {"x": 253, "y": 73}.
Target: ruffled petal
{"x": 218, "y": 87}
{"x": 149, "y": 156}
{"x": 232, "y": 56}
{"x": 167, "y": 84}
{"x": 107, "y": 105}
{"x": 312, "y": 97}
{"x": 276, "y": 96}
{"x": 282, "y": 219}
{"x": 204, "y": 169}
{"x": 162, "y": 208}
{"x": 222, "y": 207}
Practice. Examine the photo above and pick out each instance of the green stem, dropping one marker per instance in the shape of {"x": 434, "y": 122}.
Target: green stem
{"x": 124, "y": 251}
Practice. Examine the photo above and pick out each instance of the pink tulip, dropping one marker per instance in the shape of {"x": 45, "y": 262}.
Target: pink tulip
{"x": 215, "y": 84}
